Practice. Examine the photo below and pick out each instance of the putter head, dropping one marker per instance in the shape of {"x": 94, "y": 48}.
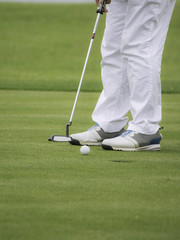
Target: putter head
{"x": 59, "y": 138}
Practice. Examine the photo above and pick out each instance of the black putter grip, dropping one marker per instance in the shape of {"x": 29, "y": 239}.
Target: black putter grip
{"x": 101, "y": 7}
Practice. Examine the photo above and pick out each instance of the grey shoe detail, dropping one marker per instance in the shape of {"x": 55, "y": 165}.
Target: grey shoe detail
{"x": 106, "y": 135}
{"x": 143, "y": 139}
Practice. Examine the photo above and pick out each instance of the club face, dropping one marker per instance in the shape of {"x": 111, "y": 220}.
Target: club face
{"x": 59, "y": 138}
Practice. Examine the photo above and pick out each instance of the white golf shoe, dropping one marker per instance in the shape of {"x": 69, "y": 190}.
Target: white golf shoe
{"x": 93, "y": 136}
{"x": 133, "y": 141}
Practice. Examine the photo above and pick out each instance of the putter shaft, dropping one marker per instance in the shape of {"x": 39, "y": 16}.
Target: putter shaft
{"x": 84, "y": 68}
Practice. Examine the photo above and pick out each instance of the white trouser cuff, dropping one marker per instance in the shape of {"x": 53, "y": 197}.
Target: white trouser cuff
{"x": 113, "y": 126}
{"x": 144, "y": 128}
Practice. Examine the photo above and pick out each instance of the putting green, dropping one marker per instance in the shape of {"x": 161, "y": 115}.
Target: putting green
{"x": 51, "y": 191}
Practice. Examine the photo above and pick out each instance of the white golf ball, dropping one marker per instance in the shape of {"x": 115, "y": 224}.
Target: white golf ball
{"x": 85, "y": 150}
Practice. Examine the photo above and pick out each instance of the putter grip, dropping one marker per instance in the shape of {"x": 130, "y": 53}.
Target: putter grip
{"x": 101, "y": 7}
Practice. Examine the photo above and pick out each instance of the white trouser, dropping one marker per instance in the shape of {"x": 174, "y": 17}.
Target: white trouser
{"x": 132, "y": 50}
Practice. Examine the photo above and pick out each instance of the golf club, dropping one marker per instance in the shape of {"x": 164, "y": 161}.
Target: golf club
{"x": 67, "y": 138}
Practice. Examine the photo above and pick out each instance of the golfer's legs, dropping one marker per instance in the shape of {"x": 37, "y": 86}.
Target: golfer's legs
{"x": 114, "y": 101}
{"x": 145, "y": 32}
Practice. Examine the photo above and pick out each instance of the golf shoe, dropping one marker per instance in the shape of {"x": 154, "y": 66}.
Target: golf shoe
{"x": 133, "y": 141}
{"x": 93, "y": 136}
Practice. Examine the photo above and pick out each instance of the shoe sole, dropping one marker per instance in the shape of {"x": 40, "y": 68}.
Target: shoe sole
{"x": 154, "y": 147}
{"x": 78, "y": 143}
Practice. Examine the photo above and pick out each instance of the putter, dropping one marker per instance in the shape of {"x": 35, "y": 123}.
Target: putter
{"x": 67, "y": 138}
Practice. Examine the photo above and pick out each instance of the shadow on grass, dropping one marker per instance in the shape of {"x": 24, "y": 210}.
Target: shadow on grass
{"x": 121, "y": 161}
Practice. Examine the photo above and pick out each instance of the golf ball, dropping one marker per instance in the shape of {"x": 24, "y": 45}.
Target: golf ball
{"x": 85, "y": 150}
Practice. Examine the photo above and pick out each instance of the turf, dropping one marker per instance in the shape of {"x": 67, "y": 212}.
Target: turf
{"x": 43, "y": 47}
{"x": 50, "y": 191}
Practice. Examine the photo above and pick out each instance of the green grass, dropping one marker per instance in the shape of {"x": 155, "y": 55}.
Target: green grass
{"x": 43, "y": 47}
{"x": 50, "y": 191}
